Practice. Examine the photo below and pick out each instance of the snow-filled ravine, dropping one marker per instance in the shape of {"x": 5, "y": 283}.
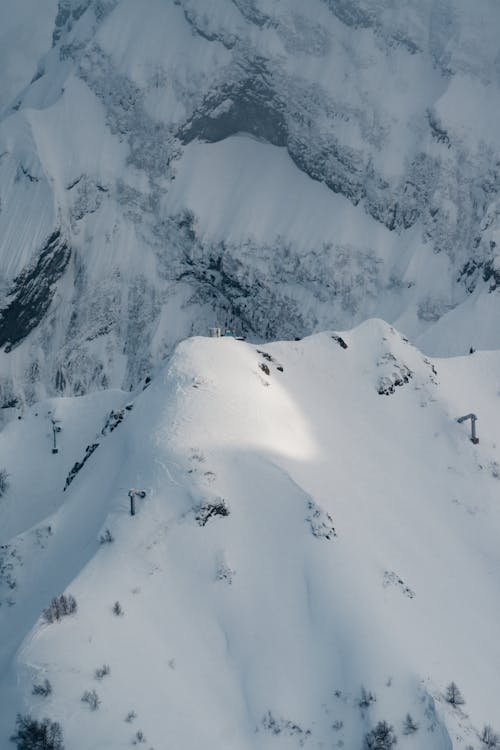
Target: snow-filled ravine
{"x": 316, "y": 551}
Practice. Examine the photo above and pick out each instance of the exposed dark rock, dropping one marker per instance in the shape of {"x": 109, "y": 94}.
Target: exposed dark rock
{"x": 199, "y": 28}
{"x": 28, "y": 175}
{"x": 399, "y": 375}
{"x": 115, "y": 418}
{"x": 475, "y": 269}
{"x": 248, "y": 8}
{"x": 340, "y": 341}
{"x": 78, "y": 465}
{"x": 10, "y": 404}
{"x": 67, "y": 14}
{"x": 351, "y": 14}
{"x": 387, "y": 384}
{"x": 207, "y": 510}
{"x": 437, "y": 130}
{"x": 32, "y": 292}
{"x": 249, "y": 106}
{"x": 491, "y": 274}
{"x": 320, "y": 521}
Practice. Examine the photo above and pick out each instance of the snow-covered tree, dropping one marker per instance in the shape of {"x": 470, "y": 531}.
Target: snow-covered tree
{"x": 410, "y": 726}
{"x": 37, "y": 735}
{"x": 453, "y": 695}
{"x": 381, "y": 737}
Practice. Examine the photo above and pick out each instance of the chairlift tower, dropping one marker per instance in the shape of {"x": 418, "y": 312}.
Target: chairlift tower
{"x": 473, "y": 419}
{"x": 132, "y": 493}
{"x": 55, "y": 429}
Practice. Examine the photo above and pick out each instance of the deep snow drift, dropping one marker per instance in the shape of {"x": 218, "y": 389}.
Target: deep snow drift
{"x": 316, "y": 524}
{"x": 278, "y": 166}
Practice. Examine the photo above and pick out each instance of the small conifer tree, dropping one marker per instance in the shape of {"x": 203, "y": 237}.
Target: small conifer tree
{"x": 453, "y": 695}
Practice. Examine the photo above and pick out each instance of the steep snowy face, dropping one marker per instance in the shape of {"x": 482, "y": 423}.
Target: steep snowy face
{"x": 314, "y": 551}
{"x": 275, "y": 166}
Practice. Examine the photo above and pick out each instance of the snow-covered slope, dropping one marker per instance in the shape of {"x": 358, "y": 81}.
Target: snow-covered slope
{"x": 317, "y": 550}
{"x": 276, "y": 166}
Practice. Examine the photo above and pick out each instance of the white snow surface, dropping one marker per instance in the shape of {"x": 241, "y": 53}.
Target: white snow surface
{"x": 359, "y": 550}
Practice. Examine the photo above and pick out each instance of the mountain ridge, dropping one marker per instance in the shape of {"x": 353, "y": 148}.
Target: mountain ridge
{"x": 115, "y": 103}
{"x": 308, "y": 536}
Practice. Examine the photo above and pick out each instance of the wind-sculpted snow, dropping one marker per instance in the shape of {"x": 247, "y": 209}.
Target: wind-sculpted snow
{"x": 310, "y": 562}
{"x": 389, "y": 107}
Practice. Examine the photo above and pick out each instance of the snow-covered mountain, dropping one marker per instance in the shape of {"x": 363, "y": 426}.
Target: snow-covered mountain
{"x": 316, "y": 552}
{"x": 277, "y": 166}
{"x": 313, "y": 557}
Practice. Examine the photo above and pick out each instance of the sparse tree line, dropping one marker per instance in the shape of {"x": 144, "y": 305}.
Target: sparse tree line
{"x": 383, "y": 737}
{"x": 45, "y": 734}
{"x": 59, "y": 607}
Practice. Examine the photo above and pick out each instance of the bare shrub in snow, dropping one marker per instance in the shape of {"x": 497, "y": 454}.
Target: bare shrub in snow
{"x": 409, "y": 725}
{"x": 92, "y": 700}
{"x": 392, "y": 579}
{"x": 382, "y": 737}
{"x": 9, "y": 560}
{"x": 223, "y": 571}
{"x": 366, "y": 698}
{"x": 489, "y": 738}
{"x": 130, "y": 716}
{"x": 37, "y": 735}
{"x": 59, "y": 607}
{"x": 102, "y": 672}
{"x": 453, "y": 695}
{"x": 106, "y": 537}
{"x": 138, "y": 738}
{"x": 495, "y": 469}
{"x": 285, "y": 726}
{"x": 43, "y": 689}
{"x": 4, "y": 482}
{"x": 117, "y": 609}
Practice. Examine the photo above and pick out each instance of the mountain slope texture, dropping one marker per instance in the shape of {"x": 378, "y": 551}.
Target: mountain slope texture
{"x": 285, "y": 537}
{"x": 275, "y": 166}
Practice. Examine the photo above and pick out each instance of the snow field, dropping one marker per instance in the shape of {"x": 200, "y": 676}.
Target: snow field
{"x": 302, "y": 536}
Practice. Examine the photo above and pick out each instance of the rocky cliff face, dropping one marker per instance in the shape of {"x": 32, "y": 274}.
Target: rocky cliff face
{"x": 277, "y": 167}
